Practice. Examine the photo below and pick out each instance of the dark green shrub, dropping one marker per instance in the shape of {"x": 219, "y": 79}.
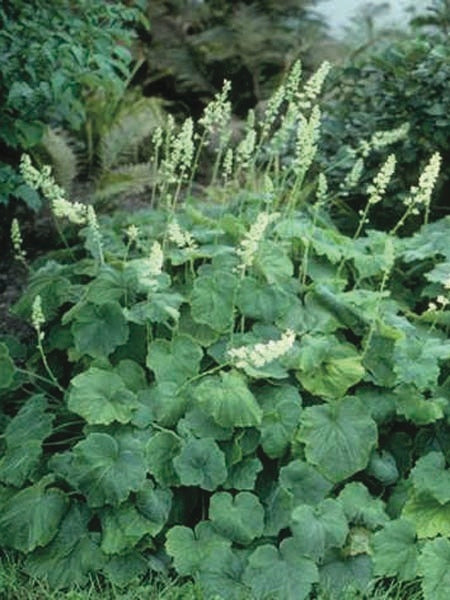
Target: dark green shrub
{"x": 407, "y": 81}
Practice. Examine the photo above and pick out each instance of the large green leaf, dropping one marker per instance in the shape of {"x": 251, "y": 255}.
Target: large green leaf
{"x": 417, "y": 360}
{"x": 30, "y": 517}
{"x": 164, "y": 403}
{"x": 228, "y": 400}
{"x": 73, "y": 553}
{"x": 430, "y": 476}
{"x": 281, "y": 408}
{"x": 434, "y": 565}
{"x": 98, "y": 329}
{"x": 338, "y": 572}
{"x": 413, "y": 406}
{"x": 212, "y": 300}
{"x": 339, "y": 437}
{"x": 198, "y": 424}
{"x": 430, "y": 517}
{"x": 125, "y": 569}
{"x": 239, "y": 518}
{"x": 224, "y": 580}
{"x": 360, "y": 507}
{"x": 160, "y": 450}
{"x": 125, "y": 525}
{"x": 201, "y": 463}
{"x": 306, "y": 484}
{"x": 7, "y": 368}
{"x": 191, "y": 551}
{"x": 396, "y": 551}
{"x": 103, "y": 467}
{"x": 101, "y": 397}
{"x": 24, "y": 436}
{"x": 242, "y": 475}
{"x": 154, "y": 503}
{"x": 257, "y": 300}
{"x": 273, "y": 262}
{"x": 327, "y": 367}
{"x": 278, "y": 506}
{"x": 174, "y": 361}
{"x": 280, "y": 573}
{"x": 319, "y": 528}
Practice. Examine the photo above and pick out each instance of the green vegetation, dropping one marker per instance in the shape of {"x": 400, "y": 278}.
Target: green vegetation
{"x": 238, "y": 384}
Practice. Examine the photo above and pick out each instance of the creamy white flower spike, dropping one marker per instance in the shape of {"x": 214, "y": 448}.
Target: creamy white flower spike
{"x": 156, "y": 259}
{"x": 259, "y": 355}
{"x": 380, "y": 139}
{"x": 37, "y": 316}
{"x": 17, "y": 241}
{"x": 249, "y": 245}
{"x": 377, "y": 189}
{"x": 314, "y": 85}
{"x": 420, "y": 195}
{"x": 180, "y": 237}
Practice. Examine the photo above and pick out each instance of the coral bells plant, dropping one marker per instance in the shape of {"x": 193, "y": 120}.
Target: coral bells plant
{"x": 235, "y": 391}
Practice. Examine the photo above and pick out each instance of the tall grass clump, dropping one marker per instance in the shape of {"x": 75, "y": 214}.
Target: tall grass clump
{"x": 227, "y": 386}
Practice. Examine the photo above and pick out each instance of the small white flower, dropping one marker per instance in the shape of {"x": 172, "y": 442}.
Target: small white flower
{"x": 259, "y": 355}
{"x": 377, "y": 189}
{"x": 420, "y": 195}
{"x": 249, "y": 245}
{"x": 37, "y": 315}
{"x": 180, "y": 237}
{"x": 156, "y": 260}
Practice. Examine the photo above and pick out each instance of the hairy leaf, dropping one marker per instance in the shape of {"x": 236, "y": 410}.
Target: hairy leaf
{"x": 98, "y": 329}
{"x": 240, "y": 519}
{"x": 396, "y": 550}
{"x": 201, "y": 463}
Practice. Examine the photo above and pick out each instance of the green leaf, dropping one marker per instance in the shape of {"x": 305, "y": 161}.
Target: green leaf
{"x": 431, "y": 477}
{"x": 194, "y": 550}
{"x": 108, "y": 286}
{"x": 154, "y": 503}
{"x": 281, "y": 408}
{"x": 24, "y": 435}
{"x": 122, "y": 528}
{"x": 164, "y": 403}
{"x": 341, "y": 573}
{"x": 383, "y": 467}
{"x": 132, "y": 374}
{"x": 319, "y": 528}
{"x": 416, "y": 360}
{"x": 434, "y": 565}
{"x": 212, "y": 300}
{"x": 104, "y": 468}
{"x": 283, "y": 573}
{"x": 430, "y": 517}
{"x": 201, "y": 334}
{"x": 198, "y": 424}
{"x": 201, "y": 463}
{"x": 360, "y": 507}
{"x": 175, "y": 361}
{"x": 160, "y": 450}
{"x": 328, "y": 367}
{"x": 339, "y": 437}
{"x": 396, "y": 551}
{"x": 161, "y": 308}
{"x": 99, "y": 329}
{"x": 225, "y": 580}
{"x": 239, "y": 518}
{"x": 101, "y": 397}
{"x": 73, "y": 553}
{"x": 273, "y": 262}
{"x": 306, "y": 484}
{"x": 257, "y": 300}
{"x": 413, "y": 405}
{"x": 228, "y": 400}
{"x": 242, "y": 475}
{"x": 125, "y": 569}
{"x": 31, "y": 517}
{"x": 278, "y": 506}
{"x": 7, "y": 368}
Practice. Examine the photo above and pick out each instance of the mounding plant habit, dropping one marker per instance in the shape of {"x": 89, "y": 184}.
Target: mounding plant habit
{"x": 235, "y": 390}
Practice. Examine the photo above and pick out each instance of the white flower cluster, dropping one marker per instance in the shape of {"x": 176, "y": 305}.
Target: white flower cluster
{"x": 293, "y": 80}
{"x": 314, "y": 85}
{"x": 43, "y": 180}
{"x": 179, "y": 159}
{"x": 132, "y": 233}
{"x": 249, "y": 245}
{"x": 380, "y": 139}
{"x": 37, "y": 316}
{"x": 183, "y": 239}
{"x": 306, "y": 145}
{"x": 156, "y": 259}
{"x": 420, "y": 195}
{"x": 352, "y": 179}
{"x": 245, "y": 149}
{"x": 17, "y": 242}
{"x": 217, "y": 113}
{"x": 377, "y": 188}
{"x": 227, "y": 165}
{"x": 259, "y": 355}
{"x": 442, "y": 301}
{"x": 322, "y": 189}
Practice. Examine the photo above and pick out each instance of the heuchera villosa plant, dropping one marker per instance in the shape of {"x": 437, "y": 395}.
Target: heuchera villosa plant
{"x": 237, "y": 390}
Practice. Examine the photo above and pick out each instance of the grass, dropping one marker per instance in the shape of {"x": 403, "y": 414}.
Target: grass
{"x": 15, "y": 584}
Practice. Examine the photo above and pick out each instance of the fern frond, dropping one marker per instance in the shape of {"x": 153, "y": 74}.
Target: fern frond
{"x": 57, "y": 148}
{"x": 126, "y": 180}
{"x": 134, "y": 123}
